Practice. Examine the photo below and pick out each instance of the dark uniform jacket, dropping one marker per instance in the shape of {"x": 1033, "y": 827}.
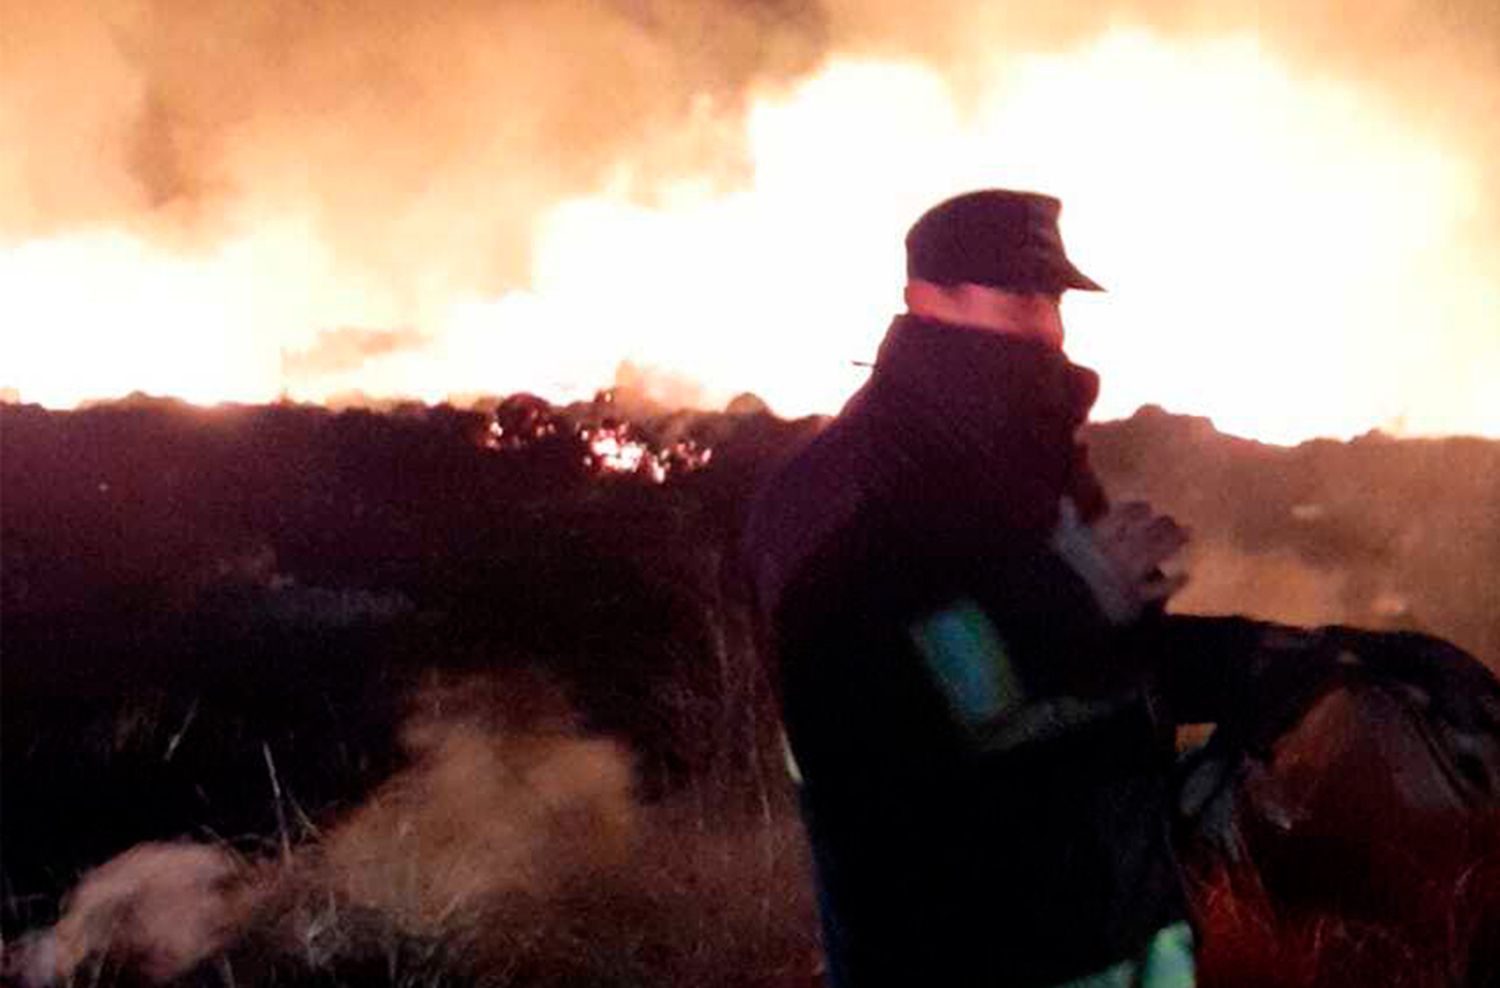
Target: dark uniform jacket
{"x": 984, "y": 759}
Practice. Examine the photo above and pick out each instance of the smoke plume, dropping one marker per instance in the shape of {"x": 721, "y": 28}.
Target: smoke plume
{"x": 339, "y": 350}
{"x": 400, "y": 127}
{"x": 407, "y": 153}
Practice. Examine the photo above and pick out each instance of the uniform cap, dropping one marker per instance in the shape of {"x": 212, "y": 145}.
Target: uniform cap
{"x": 994, "y": 237}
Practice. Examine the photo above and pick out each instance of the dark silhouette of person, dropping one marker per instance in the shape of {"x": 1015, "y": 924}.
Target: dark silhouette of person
{"x": 979, "y": 683}
{"x": 984, "y": 777}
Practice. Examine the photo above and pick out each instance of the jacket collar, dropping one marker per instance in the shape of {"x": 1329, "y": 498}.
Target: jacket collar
{"x": 969, "y": 372}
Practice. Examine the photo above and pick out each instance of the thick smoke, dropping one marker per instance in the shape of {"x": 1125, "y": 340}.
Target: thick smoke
{"x": 403, "y": 127}
{"x": 346, "y": 348}
{"x": 1440, "y": 60}
{"x": 406, "y": 153}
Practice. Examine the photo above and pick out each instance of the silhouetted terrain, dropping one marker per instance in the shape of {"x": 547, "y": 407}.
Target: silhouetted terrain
{"x": 225, "y": 623}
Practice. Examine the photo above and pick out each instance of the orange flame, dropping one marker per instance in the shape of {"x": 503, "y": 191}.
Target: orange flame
{"x": 1286, "y": 255}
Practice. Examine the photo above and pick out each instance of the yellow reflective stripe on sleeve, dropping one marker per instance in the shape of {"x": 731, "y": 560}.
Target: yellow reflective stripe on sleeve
{"x": 967, "y": 658}
{"x": 1169, "y": 960}
{"x": 1166, "y": 962}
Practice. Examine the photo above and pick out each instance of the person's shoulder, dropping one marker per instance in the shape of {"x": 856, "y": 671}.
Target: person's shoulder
{"x": 803, "y": 503}
{"x": 820, "y": 478}
{"x": 859, "y": 571}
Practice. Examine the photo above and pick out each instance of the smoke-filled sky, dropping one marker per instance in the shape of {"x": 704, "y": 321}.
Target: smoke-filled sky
{"x": 1294, "y": 204}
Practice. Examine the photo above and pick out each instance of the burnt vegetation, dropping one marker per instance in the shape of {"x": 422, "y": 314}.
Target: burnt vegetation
{"x": 260, "y": 628}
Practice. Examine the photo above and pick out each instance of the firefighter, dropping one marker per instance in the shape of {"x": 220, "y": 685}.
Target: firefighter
{"x": 979, "y": 684}
{"x": 950, "y": 603}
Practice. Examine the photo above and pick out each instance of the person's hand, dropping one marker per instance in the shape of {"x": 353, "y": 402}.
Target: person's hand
{"x": 1120, "y": 556}
{"x": 1137, "y": 542}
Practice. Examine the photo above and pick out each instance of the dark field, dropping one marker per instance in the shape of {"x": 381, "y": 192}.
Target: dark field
{"x": 459, "y": 697}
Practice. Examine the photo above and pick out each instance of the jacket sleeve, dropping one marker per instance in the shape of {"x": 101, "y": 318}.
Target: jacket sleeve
{"x": 1259, "y": 677}
{"x": 1253, "y": 678}
{"x": 1030, "y": 657}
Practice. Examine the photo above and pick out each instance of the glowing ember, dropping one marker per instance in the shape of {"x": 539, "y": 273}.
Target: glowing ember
{"x": 498, "y": 437}
{"x": 613, "y": 449}
{"x": 1262, "y": 271}
{"x": 613, "y": 452}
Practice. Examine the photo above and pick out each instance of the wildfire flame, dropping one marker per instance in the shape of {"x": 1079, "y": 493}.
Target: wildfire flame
{"x": 614, "y": 449}
{"x": 1286, "y": 255}
{"x": 603, "y": 443}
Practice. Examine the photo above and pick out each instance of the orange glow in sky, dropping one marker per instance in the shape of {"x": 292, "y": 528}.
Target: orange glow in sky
{"x": 1283, "y": 254}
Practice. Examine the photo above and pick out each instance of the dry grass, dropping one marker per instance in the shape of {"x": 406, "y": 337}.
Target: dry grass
{"x": 511, "y": 850}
